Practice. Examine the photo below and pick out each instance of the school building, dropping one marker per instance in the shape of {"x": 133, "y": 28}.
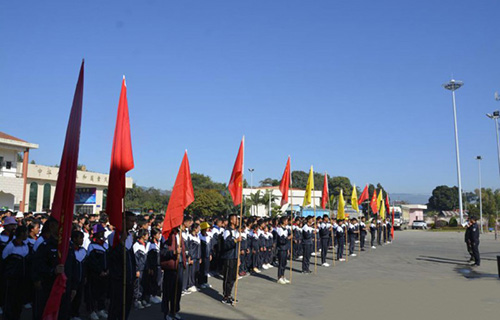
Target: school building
{"x": 31, "y": 187}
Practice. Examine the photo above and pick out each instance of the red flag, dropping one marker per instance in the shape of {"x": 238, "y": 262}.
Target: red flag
{"x": 364, "y": 196}
{"x": 122, "y": 161}
{"x": 324, "y": 198}
{"x": 392, "y": 224}
{"x": 236, "y": 182}
{"x": 387, "y": 203}
{"x": 63, "y": 205}
{"x": 285, "y": 183}
{"x": 181, "y": 197}
{"x": 373, "y": 202}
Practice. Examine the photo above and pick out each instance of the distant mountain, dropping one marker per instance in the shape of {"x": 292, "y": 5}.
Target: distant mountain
{"x": 410, "y": 198}
{"x": 163, "y": 192}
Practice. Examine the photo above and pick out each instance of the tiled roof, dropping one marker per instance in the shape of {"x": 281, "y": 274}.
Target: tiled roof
{"x": 9, "y": 137}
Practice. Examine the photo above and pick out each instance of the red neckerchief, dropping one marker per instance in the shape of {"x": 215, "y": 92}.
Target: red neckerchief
{"x": 142, "y": 242}
{"x": 99, "y": 241}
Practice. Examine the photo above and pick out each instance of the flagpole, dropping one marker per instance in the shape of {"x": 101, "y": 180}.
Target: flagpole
{"x": 330, "y": 210}
{"x": 315, "y": 231}
{"x": 124, "y": 259}
{"x": 291, "y": 215}
{"x": 239, "y": 228}
{"x": 177, "y": 261}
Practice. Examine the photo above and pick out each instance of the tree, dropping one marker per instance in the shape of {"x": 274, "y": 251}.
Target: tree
{"x": 269, "y": 182}
{"x": 453, "y": 222}
{"x": 337, "y": 183}
{"x": 268, "y": 196}
{"x": 299, "y": 179}
{"x": 19, "y": 157}
{"x": 146, "y": 198}
{"x": 201, "y": 182}
{"x": 207, "y": 202}
{"x": 254, "y": 200}
{"x": 443, "y": 198}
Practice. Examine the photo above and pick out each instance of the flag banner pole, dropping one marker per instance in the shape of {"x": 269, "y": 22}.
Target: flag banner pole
{"x": 239, "y": 228}
{"x": 177, "y": 262}
{"x": 315, "y": 232}
{"x": 331, "y": 222}
{"x": 346, "y": 246}
{"x": 291, "y": 227}
{"x": 124, "y": 235}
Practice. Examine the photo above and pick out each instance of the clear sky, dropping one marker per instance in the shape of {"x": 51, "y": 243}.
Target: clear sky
{"x": 351, "y": 87}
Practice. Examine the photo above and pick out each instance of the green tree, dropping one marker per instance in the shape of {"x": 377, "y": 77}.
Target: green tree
{"x": 254, "y": 200}
{"x": 443, "y": 198}
{"x": 268, "y": 196}
{"x": 299, "y": 179}
{"x": 201, "y": 181}
{"x": 207, "y": 202}
{"x": 337, "y": 183}
{"x": 269, "y": 182}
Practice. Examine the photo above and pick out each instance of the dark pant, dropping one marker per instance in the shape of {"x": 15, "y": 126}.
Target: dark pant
{"x": 340, "y": 248}
{"x": 475, "y": 253}
{"x": 379, "y": 235}
{"x": 171, "y": 299}
{"x": 14, "y": 297}
{"x": 282, "y": 257}
{"x": 352, "y": 242}
{"x": 41, "y": 297}
{"x": 77, "y": 302}
{"x": 98, "y": 290}
{"x": 307, "y": 250}
{"x": 204, "y": 270}
{"x": 116, "y": 299}
{"x": 193, "y": 270}
{"x": 362, "y": 240}
{"x": 324, "y": 249}
{"x": 372, "y": 240}
{"x": 229, "y": 270}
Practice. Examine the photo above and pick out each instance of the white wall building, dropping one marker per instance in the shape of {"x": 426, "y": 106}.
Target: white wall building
{"x": 33, "y": 188}
{"x": 295, "y": 195}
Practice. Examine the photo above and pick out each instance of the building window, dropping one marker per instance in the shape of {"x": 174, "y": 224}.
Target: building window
{"x": 8, "y": 165}
{"x": 1, "y": 162}
{"x": 33, "y": 196}
{"x": 46, "y": 197}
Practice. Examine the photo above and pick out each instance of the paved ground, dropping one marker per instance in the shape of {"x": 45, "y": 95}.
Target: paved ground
{"x": 421, "y": 275}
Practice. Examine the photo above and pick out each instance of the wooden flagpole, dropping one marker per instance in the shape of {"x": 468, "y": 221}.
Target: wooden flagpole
{"x": 331, "y": 222}
{"x": 292, "y": 218}
{"x": 177, "y": 261}
{"x": 315, "y": 232}
{"x": 346, "y": 246}
{"x": 124, "y": 235}
{"x": 239, "y": 228}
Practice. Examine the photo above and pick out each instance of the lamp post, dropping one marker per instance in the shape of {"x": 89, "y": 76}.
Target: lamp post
{"x": 452, "y": 86}
{"x": 494, "y": 117}
{"x": 479, "y": 158}
{"x": 251, "y": 183}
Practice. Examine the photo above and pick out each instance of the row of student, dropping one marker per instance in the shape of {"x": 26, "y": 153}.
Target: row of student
{"x": 207, "y": 248}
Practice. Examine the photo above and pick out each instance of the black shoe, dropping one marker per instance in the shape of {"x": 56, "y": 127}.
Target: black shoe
{"x": 226, "y": 301}
{"x": 233, "y": 301}
{"x": 363, "y": 249}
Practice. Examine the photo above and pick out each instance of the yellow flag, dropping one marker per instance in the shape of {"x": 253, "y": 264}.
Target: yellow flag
{"x": 354, "y": 199}
{"x": 381, "y": 212}
{"x": 309, "y": 188}
{"x": 380, "y": 200}
{"x": 340, "y": 209}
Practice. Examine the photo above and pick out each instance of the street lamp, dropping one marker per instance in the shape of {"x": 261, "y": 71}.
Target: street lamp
{"x": 251, "y": 183}
{"x": 495, "y": 116}
{"x": 479, "y": 158}
{"x": 452, "y": 86}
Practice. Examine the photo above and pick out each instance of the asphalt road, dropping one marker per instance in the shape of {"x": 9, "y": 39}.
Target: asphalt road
{"x": 421, "y": 275}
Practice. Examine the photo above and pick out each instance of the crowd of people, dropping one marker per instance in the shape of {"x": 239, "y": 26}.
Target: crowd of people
{"x": 107, "y": 274}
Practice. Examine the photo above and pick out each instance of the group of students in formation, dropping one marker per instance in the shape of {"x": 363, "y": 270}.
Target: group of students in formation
{"x": 158, "y": 269}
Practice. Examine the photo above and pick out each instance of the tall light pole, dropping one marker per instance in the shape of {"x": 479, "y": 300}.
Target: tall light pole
{"x": 495, "y": 116}
{"x": 452, "y": 86}
{"x": 251, "y": 184}
{"x": 479, "y": 158}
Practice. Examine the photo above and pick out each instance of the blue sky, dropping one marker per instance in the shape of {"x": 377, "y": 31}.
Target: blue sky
{"x": 351, "y": 87}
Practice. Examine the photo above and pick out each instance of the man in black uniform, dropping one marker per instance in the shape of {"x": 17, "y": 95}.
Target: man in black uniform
{"x": 230, "y": 252}
{"x": 474, "y": 241}
{"x": 467, "y": 240}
